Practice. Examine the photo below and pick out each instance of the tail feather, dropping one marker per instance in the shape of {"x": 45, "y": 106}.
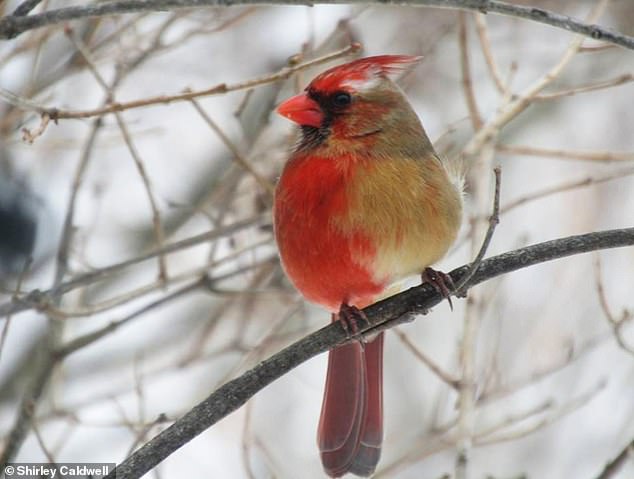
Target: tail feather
{"x": 351, "y": 423}
{"x": 371, "y": 436}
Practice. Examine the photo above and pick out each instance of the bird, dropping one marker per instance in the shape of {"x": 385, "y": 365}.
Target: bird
{"x": 362, "y": 202}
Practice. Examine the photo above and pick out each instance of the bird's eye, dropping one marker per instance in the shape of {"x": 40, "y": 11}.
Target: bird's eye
{"x": 341, "y": 99}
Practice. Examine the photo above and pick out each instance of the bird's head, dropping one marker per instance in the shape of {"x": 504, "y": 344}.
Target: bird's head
{"x": 352, "y": 101}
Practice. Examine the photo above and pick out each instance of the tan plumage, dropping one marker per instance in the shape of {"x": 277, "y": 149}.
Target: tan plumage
{"x": 410, "y": 208}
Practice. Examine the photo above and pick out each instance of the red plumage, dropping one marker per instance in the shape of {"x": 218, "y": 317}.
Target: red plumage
{"x": 319, "y": 260}
{"x": 361, "y": 70}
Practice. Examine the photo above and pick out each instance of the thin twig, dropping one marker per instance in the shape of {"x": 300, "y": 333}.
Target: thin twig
{"x": 41, "y": 299}
{"x": 68, "y": 228}
{"x": 247, "y": 440}
{"x": 480, "y": 181}
{"x": 26, "y": 410}
{"x": 526, "y": 98}
{"x": 426, "y": 446}
{"x": 40, "y": 441}
{"x": 494, "y": 219}
{"x": 18, "y": 287}
{"x": 598, "y": 48}
{"x": 574, "y": 354}
{"x": 616, "y": 324}
{"x": 613, "y": 467}
{"x": 89, "y": 338}
{"x": 82, "y": 341}
{"x": 238, "y": 157}
{"x": 157, "y": 223}
{"x": 128, "y": 296}
{"x": 220, "y": 89}
{"x": 572, "y": 185}
{"x": 485, "y": 44}
{"x": 599, "y": 156}
{"x": 254, "y": 354}
{"x": 512, "y": 421}
{"x": 427, "y": 361}
{"x": 31, "y": 135}
{"x": 620, "y": 80}
{"x": 558, "y": 413}
{"x": 127, "y": 138}
{"x": 465, "y": 70}
{"x": 87, "y": 58}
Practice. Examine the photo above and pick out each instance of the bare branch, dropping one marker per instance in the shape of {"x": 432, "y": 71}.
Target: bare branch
{"x": 25, "y": 7}
{"x": 382, "y": 315}
{"x": 12, "y": 25}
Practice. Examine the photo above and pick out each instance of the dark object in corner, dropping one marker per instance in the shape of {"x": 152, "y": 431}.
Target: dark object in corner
{"x": 18, "y": 226}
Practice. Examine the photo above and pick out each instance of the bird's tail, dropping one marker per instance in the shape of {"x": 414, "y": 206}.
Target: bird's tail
{"x": 351, "y": 424}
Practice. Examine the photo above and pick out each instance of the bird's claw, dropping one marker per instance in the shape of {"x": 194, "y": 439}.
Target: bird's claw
{"x": 351, "y": 317}
{"x": 441, "y": 282}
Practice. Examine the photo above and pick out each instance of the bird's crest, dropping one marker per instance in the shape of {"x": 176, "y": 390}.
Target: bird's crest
{"x": 360, "y": 73}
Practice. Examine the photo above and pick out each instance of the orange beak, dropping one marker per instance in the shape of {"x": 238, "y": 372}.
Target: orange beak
{"x": 303, "y": 110}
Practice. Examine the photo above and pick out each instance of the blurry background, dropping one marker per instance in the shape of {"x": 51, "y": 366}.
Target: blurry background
{"x": 151, "y": 338}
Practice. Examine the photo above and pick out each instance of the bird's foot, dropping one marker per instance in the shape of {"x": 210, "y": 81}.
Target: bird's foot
{"x": 352, "y": 318}
{"x": 441, "y": 282}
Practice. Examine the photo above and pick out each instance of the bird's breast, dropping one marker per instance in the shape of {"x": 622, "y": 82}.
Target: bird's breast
{"x": 328, "y": 264}
{"x": 348, "y": 227}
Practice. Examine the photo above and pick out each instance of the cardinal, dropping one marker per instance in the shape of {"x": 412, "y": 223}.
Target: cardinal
{"x": 362, "y": 202}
